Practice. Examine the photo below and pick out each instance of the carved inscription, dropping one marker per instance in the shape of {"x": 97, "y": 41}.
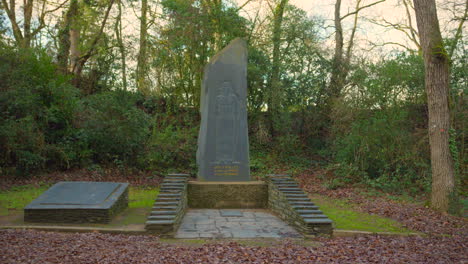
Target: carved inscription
{"x": 227, "y": 117}
{"x": 226, "y": 170}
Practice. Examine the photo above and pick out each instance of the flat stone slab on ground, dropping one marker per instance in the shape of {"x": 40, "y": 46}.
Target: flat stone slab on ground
{"x": 252, "y": 223}
{"x": 78, "y": 202}
{"x": 79, "y": 195}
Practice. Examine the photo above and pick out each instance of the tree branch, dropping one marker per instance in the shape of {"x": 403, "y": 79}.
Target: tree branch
{"x": 361, "y": 8}
{"x": 98, "y": 36}
{"x": 458, "y": 33}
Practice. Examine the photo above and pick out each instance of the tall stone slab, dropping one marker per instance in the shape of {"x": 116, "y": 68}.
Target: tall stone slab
{"x": 223, "y": 143}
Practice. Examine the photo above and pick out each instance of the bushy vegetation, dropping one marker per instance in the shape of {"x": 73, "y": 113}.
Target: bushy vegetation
{"x": 383, "y": 140}
{"x": 46, "y": 123}
{"x": 377, "y": 137}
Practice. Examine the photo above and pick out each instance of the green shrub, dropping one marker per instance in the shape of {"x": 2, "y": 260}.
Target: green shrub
{"x": 379, "y": 134}
{"x": 37, "y": 106}
{"x": 112, "y": 127}
{"x": 173, "y": 145}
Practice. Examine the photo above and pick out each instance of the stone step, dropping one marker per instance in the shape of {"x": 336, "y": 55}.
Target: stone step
{"x": 161, "y": 195}
{"x": 169, "y": 200}
{"x": 285, "y": 180}
{"x": 153, "y": 213}
{"x": 308, "y": 211}
{"x": 296, "y": 195}
{"x": 308, "y": 216}
{"x": 173, "y": 185}
{"x": 161, "y": 203}
{"x": 293, "y": 191}
{"x": 161, "y": 217}
{"x": 158, "y": 222}
{"x": 278, "y": 175}
{"x": 287, "y": 185}
{"x": 285, "y": 189}
{"x": 301, "y": 203}
{"x": 175, "y": 180}
{"x": 170, "y": 190}
{"x": 184, "y": 175}
{"x": 164, "y": 208}
{"x": 311, "y": 207}
{"x": 298, "y": 199}
{"x": 317, "y": 221}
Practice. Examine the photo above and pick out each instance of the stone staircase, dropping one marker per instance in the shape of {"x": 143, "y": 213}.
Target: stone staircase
{"x": 170, "y": 205}
{"x": 293, "y": 205}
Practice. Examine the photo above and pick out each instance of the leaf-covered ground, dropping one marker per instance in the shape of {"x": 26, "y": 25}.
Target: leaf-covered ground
{"x": 445, "y": 239}
{"x": 413, "y": 216}
{"x": 44, "y": 247}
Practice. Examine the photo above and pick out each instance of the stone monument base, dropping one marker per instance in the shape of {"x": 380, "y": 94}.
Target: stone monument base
{"x": 78, "y": 202}
{"x": 235, "y": 195}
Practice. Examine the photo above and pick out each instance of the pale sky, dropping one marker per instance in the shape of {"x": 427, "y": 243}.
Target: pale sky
{"x": 391, "y": 10}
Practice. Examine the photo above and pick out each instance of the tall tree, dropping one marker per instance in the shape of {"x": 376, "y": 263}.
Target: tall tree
{"x": 118, "y": 36}
{"x": 275, "y": 86}
{"x": 436, "y": 63}
{"x": 24, "y": 36}
{"x": 142, "y": 68}
{"x": 341, "y": 60}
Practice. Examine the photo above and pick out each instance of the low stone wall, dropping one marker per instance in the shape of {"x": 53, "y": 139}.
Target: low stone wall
{"x": 235, "y": 195}
{"x": 170, "y": 206}
{"x": 291, "y": 204}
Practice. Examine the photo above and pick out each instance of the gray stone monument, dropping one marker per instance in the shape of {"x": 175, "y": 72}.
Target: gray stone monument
{"x": 223, "y": 143}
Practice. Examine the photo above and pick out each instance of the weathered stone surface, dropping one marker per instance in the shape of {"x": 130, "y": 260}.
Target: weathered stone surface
{"x": 250, "y": 223}
{"x": 223, "y": 144}
{"x": 170, "y": 207}
{"x": 296, "y": 209}
{"x": 78, "y": 202}
{"x": 252, "y": 194}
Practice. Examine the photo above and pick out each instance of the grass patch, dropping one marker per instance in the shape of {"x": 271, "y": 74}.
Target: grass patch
{"x": 18, "y": 197}
{"x": 142, "y": 197}
{"x": 344, "y": 217}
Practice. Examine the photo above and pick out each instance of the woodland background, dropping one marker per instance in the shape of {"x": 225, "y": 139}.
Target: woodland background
{"x": 80, "y": 90}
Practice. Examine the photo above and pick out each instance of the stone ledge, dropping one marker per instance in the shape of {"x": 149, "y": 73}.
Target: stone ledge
{"x": 234, "y": 195}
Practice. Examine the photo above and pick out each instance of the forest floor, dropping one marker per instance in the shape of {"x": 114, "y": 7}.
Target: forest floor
{"x": 444, "y": 238}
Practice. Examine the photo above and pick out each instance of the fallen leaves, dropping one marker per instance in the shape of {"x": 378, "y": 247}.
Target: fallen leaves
{"x": 20, "y": 246}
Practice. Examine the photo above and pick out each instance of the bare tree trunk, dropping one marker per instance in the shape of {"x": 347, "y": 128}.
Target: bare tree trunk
{"x": 80, "y": 61}
{"x": 436, "y": 64}
{"x": 63, "y": 53}
{"x": 337, "y": 77}
{"x": 74, "y": 36}
{"x": 118, "y": 33}
{"x": 27, "y": 13}
{"x": 142, "y": 84}
{"x": 274, "y": 97}
{"x": 23, "y": 39}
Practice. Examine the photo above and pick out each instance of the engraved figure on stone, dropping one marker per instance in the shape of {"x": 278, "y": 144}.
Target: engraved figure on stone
{"x": 227, "y": 118}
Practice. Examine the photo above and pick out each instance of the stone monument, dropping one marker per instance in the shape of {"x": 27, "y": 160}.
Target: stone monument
{"x": 223, "y": 143}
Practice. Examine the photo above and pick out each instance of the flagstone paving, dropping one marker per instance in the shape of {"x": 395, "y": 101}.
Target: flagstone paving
{"x": 234, "y": 223}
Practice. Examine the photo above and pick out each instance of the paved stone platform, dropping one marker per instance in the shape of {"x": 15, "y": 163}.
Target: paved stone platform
{"x": 234, "y": 223}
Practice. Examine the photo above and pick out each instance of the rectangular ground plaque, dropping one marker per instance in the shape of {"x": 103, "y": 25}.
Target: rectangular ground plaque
{"x": 78, "y": 202}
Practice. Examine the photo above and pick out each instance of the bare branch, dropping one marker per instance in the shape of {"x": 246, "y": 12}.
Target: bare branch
{"x": 374, "y": 45}
{"x": 243, "y": 5}
{"x": 458, "y": 33}
{"x": 90, "y": 51}
{"x": 361, "y": 8}
{"x": 43, "y": 14}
